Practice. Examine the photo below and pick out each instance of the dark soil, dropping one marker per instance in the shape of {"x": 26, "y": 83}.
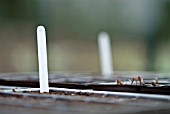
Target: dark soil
{"x": 70, "y": 93}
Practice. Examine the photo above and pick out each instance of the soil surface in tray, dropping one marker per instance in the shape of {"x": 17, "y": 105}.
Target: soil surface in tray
{"x": 132, "y": 88}
{"x": 92, "y": 82}
{"x": 72, "y": 94}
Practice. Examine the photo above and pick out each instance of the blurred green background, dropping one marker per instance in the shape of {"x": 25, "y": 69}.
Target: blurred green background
{"x": 139, "y": 31}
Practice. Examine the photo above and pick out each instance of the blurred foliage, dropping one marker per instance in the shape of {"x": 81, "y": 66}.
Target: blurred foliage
{"x": 139, "y": 31}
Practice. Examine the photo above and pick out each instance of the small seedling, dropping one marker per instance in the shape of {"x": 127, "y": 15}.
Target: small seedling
{"x": 119, "y": 82}
{"x": 136, "y": 79}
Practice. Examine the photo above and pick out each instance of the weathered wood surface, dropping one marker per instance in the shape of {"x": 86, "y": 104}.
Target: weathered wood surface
{"x": 15, "y": 105}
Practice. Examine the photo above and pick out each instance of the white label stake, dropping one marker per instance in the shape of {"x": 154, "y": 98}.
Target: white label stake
{"x": 105, "y": 54}
{"x": 42, "y": 59}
